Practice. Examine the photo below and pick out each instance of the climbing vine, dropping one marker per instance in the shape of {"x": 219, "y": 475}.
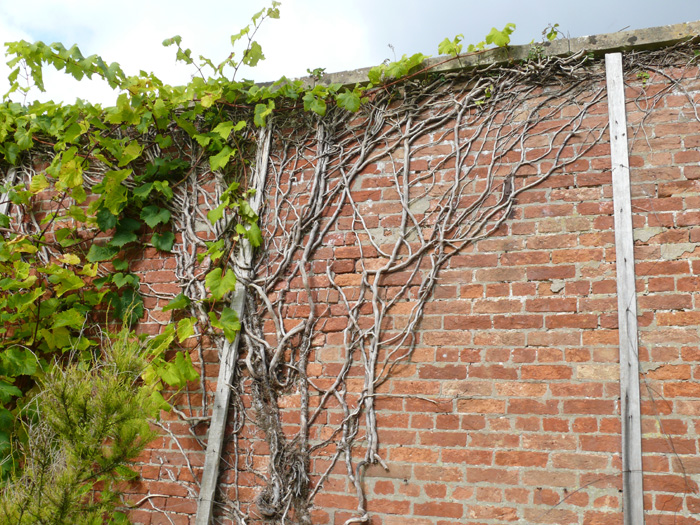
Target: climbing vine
{"x": 419, "y": 220}
{"x": 89, "y": 192}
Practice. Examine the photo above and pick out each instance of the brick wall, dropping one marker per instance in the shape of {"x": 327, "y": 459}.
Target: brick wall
{"x": 508, "y": 409}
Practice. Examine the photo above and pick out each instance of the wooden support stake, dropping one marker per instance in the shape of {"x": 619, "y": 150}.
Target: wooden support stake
{"x": 10, "y": 180}
{"x": 229, "y": 353}
{"x": 633, "y": 505}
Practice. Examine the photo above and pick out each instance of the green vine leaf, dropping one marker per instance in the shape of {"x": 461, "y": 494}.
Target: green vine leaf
{"x": 114, "y": 193}
{"x": 220, "y": 160}
{"x": 451, "y": 47}
{"x": 159, "y": 401}
{"x": 163, "y": 241}
{"x": 228, "y": 322}
{"x": 179, "y": 372}
{"x": 106, "y": 220}
{"x": 500, "y": 38}
{"x": 120, "y": 265}
{"x": 122, "y": 238}
{"x": 128, "y": 307}
{"x": 71, "y": 318}
{"x": 218, "y": 212}
{"x": 38, "y": 183}
{"x": 223, "y": 129}
{"x": 219, "y": 283}
{"x": 214, "y": 250}
{"x": 64, "y": 279}
{"x": 253, "y": 55}
{"x": 8, "y": 391}
{"x": 130, "y": 153}
{"x": 99, "y": 253}
{"x": 314, "y": 103}
{"x": 180, "y": 302}
{"x": 125, "y": 232}
{"x": 349, "y": 100}
{"x": 77, "y": 213}
{"x": 262, "y": 111}
{"x": 57, "y": 338}
{"x": 185, "y": 328}
{"x": 70, "y": 175}
{"x": 142, "y": 192}
{"x": 155, "y": 215}
{"x": 254, "y": 235}
{"x": 18, "y": 362}
{"x": 11, "y": 152}
{"x": 120, "y": 280}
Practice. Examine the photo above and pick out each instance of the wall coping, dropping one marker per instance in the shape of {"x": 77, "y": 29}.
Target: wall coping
{"x": 634, "y": 40}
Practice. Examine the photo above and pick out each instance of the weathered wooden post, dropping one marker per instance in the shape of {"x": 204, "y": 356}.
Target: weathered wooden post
{"x": 633, "y": 501}
{"x": 229, "y": 354}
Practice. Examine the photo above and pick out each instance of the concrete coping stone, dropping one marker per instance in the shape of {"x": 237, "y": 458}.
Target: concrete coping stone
{"x": 635, "y": 40}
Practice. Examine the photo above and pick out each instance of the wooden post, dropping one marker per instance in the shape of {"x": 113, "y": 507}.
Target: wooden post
{"x": 229, "y": 353}
{"x": 10, "y": 180}
{"x": 633, "y": 504}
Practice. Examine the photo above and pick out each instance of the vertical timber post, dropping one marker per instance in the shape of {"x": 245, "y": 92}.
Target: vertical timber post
{"x": 10, "y": 180}
{"x": 633, "y": 500}
{"x": 229, "y": 353}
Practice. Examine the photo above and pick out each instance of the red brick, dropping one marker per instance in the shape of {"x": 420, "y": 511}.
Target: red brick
{"x": 580, "y": 461}
{"x": 561, "y": 442}
{"x": 546, "y": 372}
{"x": 444, "y": 439}
{"x": 467, "y": 322}
{"x": 602, "y": 518}
{"x": 521, "y": 458}
{"x": 442, "y": 473}
{"x": 588, "y": 406}
{"x": 500, "y": 513}
{"x": 547, "y": 478}
{"x": 494, "y": 476}
{"x": 690, "y": 318}
{"x": 467, "y": 456}
{"x": 669, "y": 483}
{"x": 551, "y": 304}
{"x": 572, "y": 321}
{"x": 544, "y": 273}
{"x": 497, "y": 306}
{"x": 524, "y": 258}
{"x": 517, "y": 322}
{"x": 481, "y": 406}
{"x": 554, "y": 515}
{"x": 442, "y": 372}
{"x": 493, "y": 372}
{"x": 600, "y": 443}
{"x": 521, "y": 389}
{"x": 388, "y": 506}
{"x": 532, "y": 406}
{"x": 443, "y": 509}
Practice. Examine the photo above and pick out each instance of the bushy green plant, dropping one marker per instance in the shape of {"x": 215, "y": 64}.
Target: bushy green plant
{"x": 86, "y": 424}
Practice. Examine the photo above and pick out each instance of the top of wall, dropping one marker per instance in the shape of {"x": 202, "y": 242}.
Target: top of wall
{"x": 638, "y": 39}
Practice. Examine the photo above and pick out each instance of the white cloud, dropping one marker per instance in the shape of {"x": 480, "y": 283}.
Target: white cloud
{"x": 311, "y": 33}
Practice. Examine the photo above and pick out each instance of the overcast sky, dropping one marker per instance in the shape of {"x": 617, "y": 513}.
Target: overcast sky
{"x": 336, "y": 35}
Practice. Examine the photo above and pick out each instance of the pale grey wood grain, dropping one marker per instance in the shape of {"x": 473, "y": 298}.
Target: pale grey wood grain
{"x": 633, "y": 505}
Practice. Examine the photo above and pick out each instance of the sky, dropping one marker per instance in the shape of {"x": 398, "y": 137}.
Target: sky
{"x": 310, "y": 34}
